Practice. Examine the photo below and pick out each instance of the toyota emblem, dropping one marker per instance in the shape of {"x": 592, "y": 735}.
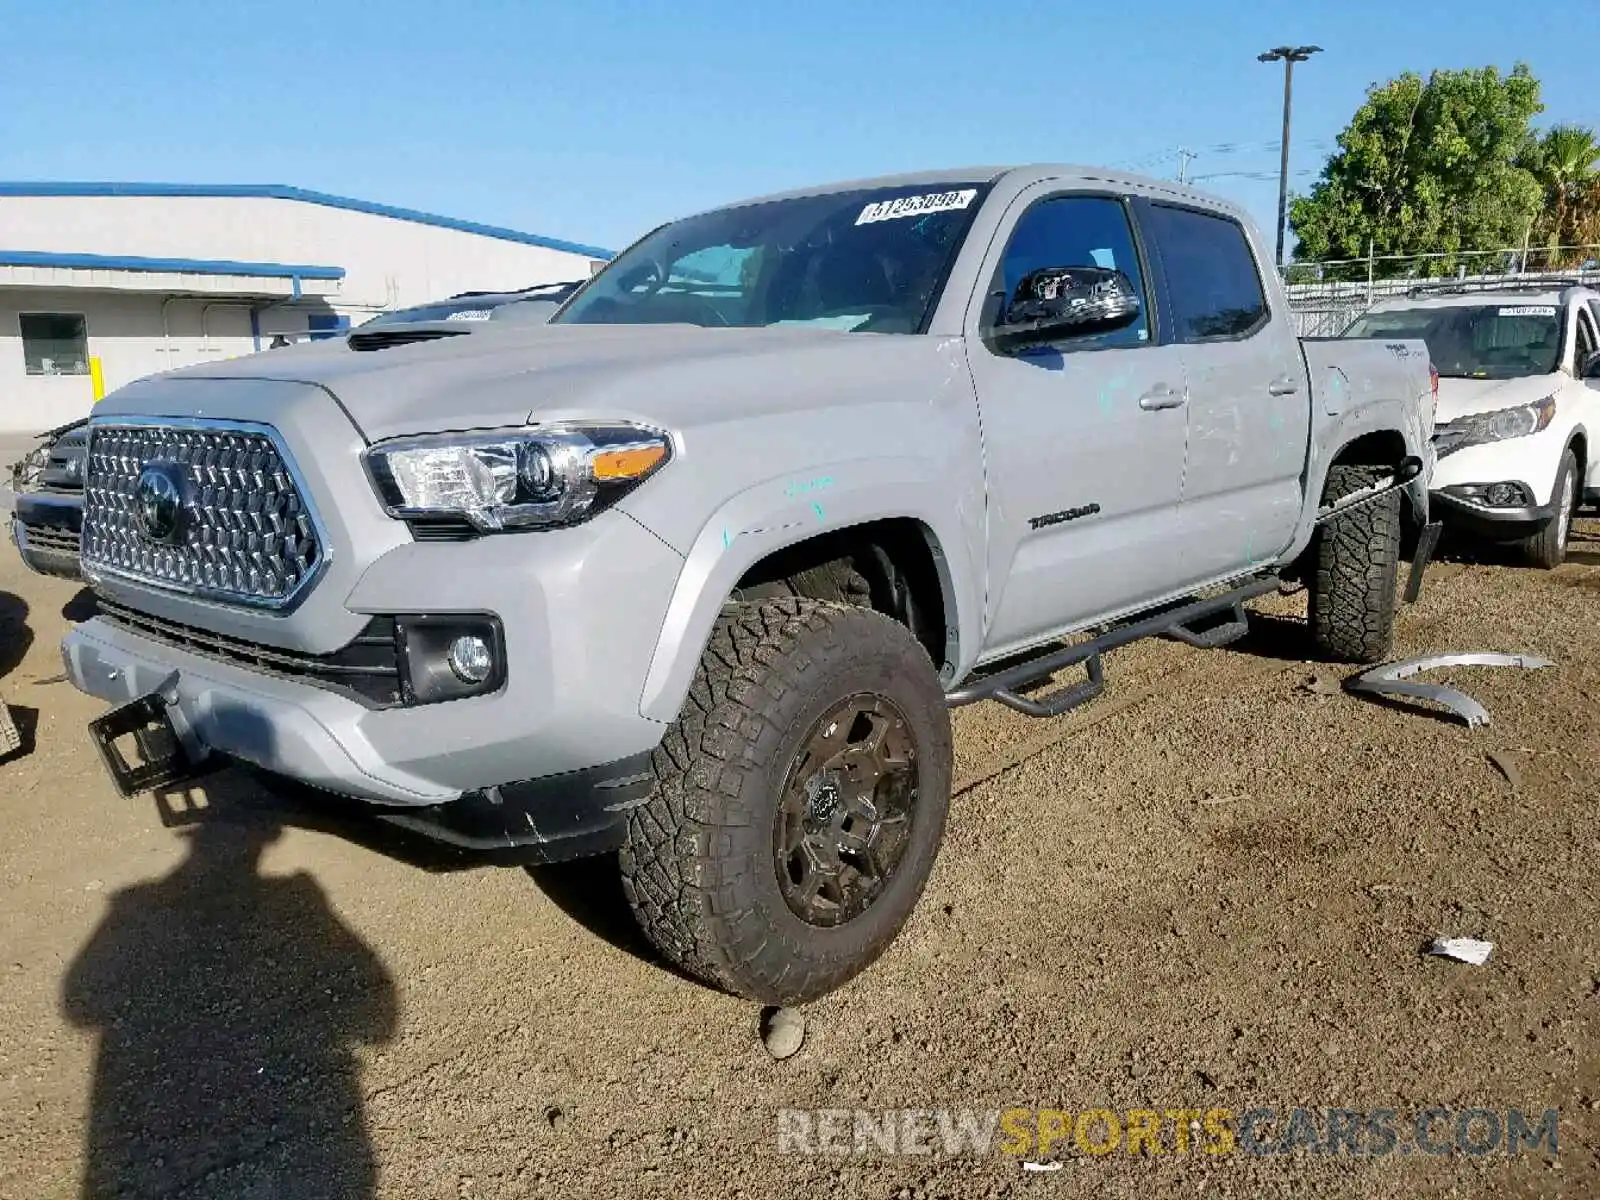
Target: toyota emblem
{"x": 158, "y": 503}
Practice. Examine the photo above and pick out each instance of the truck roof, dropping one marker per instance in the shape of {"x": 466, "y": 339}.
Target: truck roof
{"x": 1024, "y": 173}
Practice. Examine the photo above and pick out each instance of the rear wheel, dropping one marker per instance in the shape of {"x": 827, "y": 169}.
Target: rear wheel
{"x": 1548, "y": 547}
{"x": 799, "y": 804}
{"x": 1355, "y": 571}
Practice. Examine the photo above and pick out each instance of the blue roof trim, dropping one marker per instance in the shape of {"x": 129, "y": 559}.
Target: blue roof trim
{"x": 277, "y": 191}
{"x": 185, "y": 266}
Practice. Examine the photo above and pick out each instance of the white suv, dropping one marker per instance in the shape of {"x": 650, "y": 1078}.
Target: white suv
{"x": 1519, "y": 399}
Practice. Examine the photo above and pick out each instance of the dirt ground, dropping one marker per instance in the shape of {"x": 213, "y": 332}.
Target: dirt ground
{"x": 1207, "y": 890}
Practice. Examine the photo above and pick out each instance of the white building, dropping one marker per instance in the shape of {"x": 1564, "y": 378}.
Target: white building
{"x": 128, "y": 279}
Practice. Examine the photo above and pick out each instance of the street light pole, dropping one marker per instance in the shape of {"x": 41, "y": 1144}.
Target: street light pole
{"x": 1288, "y": 55}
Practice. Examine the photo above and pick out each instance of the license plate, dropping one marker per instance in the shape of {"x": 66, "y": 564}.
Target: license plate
{"x": 145, "y": 727}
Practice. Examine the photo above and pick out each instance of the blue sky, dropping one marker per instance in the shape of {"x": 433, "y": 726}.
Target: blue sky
{"x": 595, "y": 120}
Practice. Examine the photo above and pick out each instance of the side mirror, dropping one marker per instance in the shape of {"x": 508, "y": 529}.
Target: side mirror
{"x": 1591, "y": 367}
{"x": 1067, "y": 302}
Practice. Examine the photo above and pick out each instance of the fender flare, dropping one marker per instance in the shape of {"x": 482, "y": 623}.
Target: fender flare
{"x": 792, "y": 508}
{"x": 1352, "y": 425}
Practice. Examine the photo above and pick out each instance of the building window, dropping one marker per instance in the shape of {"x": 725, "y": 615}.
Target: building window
{"x": 55, "y": 343}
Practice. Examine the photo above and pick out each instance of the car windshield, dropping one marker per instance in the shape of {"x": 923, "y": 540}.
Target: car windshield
{"x": 1508, "y": 340}
{"x": 871, "y": 260}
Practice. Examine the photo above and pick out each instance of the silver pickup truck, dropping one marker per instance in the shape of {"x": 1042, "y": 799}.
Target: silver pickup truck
{"x": 693, "y": 573}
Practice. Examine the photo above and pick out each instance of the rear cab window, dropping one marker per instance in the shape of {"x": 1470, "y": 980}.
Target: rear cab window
{"x": 1213, "y": 281}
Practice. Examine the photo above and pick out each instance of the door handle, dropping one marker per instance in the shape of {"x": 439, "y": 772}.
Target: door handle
{"x": 1159, "y": 397}
{"x": 1282, "y": 386}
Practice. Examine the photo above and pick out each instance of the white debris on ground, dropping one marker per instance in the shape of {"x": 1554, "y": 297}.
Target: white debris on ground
{"x": 1462, "y": 949}
{"x": 783, "y": 1031}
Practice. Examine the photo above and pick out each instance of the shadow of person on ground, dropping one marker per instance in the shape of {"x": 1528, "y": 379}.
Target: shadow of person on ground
{"x": 15, "y": 636}
{"x": 228, "y": 1005}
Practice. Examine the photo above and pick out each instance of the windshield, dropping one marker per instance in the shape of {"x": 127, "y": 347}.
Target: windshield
{"x": 871, "y": 260}
{"x": 1488, "y": 341}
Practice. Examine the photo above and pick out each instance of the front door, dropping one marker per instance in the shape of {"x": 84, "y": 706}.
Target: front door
{"x": 1083, "y": 440}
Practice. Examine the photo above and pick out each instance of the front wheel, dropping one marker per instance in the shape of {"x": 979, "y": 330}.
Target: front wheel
{"x": 1548, "y": 547}
{"x": 800, "y": 801}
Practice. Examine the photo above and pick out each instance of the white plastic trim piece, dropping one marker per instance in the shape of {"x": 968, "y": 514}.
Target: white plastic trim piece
{"x": 1387, "y": 679}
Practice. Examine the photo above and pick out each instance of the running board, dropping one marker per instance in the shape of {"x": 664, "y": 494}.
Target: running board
{"x": 1003, "y": 685}
{"x": 1223, "y": 633}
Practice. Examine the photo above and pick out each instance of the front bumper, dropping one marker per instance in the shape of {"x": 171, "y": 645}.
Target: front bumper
{"x": 552, "y": 750}
{"x": 46, "y": 531}
{"x": 1490, "y": 524}
{"x": 1530, "y": 463}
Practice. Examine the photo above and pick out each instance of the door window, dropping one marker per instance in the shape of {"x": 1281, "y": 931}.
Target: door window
{"x": 1212, "y": 276}
{"x": 1079, "y": 231}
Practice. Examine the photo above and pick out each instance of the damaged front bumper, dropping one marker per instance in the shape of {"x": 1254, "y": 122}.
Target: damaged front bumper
{"x": 45, "y": 528}
{"x": 180, "y": 715}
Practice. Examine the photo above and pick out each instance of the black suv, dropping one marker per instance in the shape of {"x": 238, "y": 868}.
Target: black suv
{"x": 48, "y": 514}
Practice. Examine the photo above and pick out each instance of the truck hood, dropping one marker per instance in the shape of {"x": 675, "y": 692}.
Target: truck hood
{"x": 497, "y": 377}
{"x": 1464, "y": 397}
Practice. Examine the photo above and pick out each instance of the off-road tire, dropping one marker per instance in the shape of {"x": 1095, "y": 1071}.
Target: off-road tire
{"x": 1354, "y": 574}
{"x": 698, "y": 866}
{"x": 1547, "y": 549}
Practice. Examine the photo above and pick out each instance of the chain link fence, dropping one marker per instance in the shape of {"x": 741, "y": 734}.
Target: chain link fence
{"x": 1327, "y": 296}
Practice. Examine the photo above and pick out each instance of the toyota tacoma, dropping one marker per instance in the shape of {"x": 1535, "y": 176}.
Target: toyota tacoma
{"x": 693, "y": 574}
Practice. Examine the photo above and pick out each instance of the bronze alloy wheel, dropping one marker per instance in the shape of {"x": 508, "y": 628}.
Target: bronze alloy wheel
{"x": 844, "y": 817}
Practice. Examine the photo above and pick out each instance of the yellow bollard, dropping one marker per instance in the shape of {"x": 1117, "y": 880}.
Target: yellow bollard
{"x": 97, "y": 379}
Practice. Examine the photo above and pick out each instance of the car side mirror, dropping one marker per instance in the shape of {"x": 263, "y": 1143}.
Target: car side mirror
{"x": 1591, "y": 367}
{"x": 1056, "y": 303}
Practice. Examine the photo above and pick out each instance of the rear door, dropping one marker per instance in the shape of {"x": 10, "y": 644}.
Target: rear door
{"x": 1083, "y": 438}
{"x": 1249, "y": 399}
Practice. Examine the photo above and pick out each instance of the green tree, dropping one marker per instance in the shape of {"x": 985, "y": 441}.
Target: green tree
{"x": 1428, "y": 166}
{"x": 1566, "y": 161}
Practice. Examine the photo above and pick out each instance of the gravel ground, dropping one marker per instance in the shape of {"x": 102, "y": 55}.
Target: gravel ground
{"x": 1207, "y": 890}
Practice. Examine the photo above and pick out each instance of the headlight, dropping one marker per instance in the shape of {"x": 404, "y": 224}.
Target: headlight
{"x": 1500, "y": 425}
{"x": 515, "y": 479}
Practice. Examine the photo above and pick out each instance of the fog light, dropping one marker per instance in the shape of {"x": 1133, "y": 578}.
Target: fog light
{"x": 470, "y": 659}
{"x": 1503, "y": 495}
{"x": 449, "y": 656}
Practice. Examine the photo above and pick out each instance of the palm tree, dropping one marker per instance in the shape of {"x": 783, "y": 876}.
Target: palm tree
{"x": 1567, "y": 162}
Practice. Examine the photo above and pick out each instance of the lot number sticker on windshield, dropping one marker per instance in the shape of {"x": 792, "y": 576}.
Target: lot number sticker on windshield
{"x": 916, "y": 206}
{"x": 1529, "y": 310}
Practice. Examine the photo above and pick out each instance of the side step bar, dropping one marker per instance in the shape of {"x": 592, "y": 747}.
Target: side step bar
{"x": 1003, "y": 685}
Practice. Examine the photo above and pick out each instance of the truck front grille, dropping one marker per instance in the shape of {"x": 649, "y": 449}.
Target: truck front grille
{"x": 211, "y": 511}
